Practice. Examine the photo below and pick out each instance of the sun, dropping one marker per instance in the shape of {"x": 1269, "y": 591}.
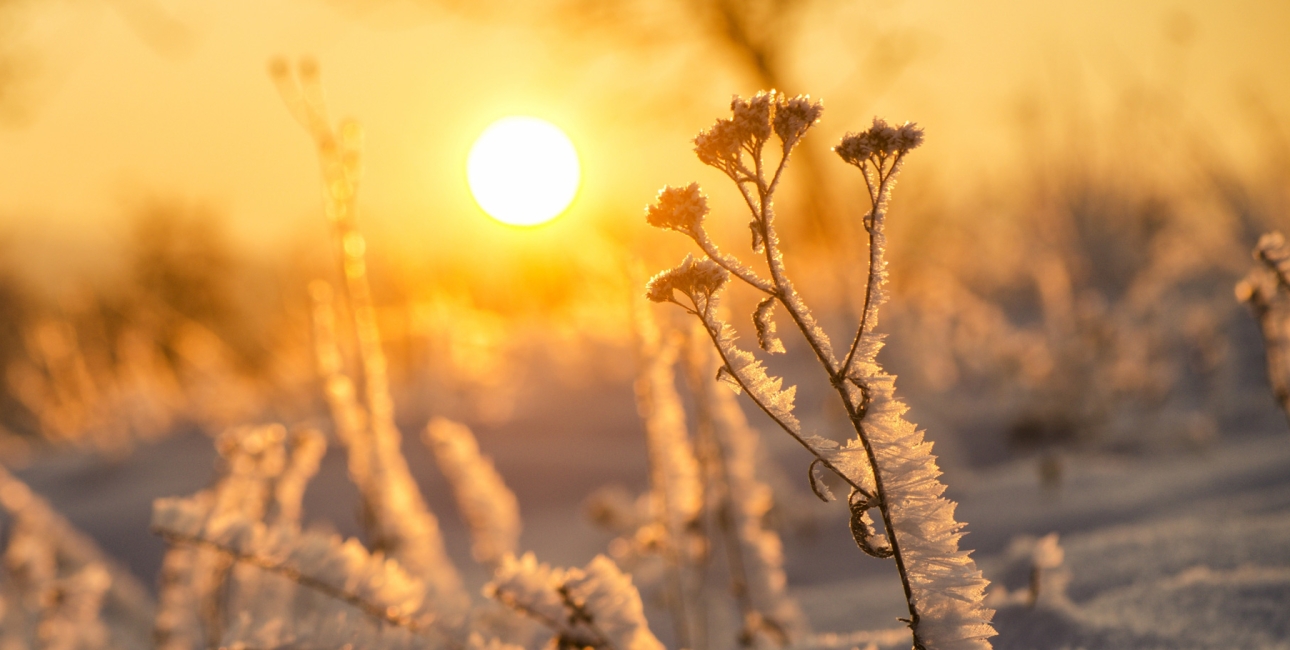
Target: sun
{"x": 523, "y": 171}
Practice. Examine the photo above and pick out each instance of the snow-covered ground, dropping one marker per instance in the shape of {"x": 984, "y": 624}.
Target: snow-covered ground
{"x": 1182, "y": 552}
{"x": 1185, "y": 551}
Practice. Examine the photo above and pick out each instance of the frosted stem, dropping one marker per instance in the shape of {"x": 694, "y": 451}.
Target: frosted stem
{"x": 874, "y": 223}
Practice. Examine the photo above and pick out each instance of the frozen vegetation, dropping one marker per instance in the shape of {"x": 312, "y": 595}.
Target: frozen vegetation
{"x": 628, "y": 518}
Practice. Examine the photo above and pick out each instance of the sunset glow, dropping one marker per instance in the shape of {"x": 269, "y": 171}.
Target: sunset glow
{"x": 523, "y": 171}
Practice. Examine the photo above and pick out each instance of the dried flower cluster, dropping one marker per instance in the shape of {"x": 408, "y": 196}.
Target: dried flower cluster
{"x": 698, "y": 280}
{"x": 880, "y": 142}
{"x": 681, "y": 209}
{"x": 724, "y": 144}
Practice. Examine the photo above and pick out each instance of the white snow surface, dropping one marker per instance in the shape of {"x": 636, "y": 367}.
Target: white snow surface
{"x": 1182, "y": 551}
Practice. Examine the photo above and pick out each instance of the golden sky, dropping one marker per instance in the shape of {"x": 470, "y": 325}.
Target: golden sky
{"x": 123, "y": 100}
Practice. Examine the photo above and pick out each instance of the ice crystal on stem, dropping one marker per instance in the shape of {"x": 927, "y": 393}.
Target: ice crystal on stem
{"x": 888, "y": 465}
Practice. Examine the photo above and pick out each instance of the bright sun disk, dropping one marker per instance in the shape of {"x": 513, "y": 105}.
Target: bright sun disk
{"x": 523, "y": 171}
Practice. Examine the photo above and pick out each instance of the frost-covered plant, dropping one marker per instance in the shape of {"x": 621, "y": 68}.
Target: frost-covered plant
{"x": 295, "y": 587}
{"x": 888, "y": 465}
{"x": 122, "y": 384}
{"x": 705, "y": 506}
{"x": 488, "y": 506}
{"x": 728, "y": 450}
{"x": 57, "y": 588}
{"x": 671, "y": 529}
{"x": 395, "y": 513}
{"x": 202, "y": 592}
{"x": 594, "y": 607}
{"x": 1266, "y": 290}
{"x": 1044, "y": 560}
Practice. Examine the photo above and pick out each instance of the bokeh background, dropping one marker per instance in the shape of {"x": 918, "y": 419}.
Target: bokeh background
{"x": 1064, "y": 246}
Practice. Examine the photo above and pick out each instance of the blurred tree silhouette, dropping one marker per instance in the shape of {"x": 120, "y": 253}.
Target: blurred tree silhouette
{"x": 180, "y": 258}
{"x": 16, "y": 306}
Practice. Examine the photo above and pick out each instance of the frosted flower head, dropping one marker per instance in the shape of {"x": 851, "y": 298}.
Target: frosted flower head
{"x": 794, "y": 115}
{"x": 909, "y": 136}
{"x": 679, "y": 208}
{"x": 719, "y": 145}
{"x": 752, "y": 116}
{"x": 881, "y": 140}
{"x": 697, "y": 279}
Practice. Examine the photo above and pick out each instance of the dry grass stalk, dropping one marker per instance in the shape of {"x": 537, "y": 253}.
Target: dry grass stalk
{"x": 397, "y": 516}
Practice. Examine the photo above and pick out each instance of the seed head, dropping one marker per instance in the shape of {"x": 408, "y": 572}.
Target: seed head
{"x": 719, "y": 144}
{"x": 880, "y": 140}
{"x": 698, "y": 279}
{"x": 794, "y": 115}
{"x": 908, "y": 136}
{"x": 752, "y": 116}
{"x": 680, "y": 208}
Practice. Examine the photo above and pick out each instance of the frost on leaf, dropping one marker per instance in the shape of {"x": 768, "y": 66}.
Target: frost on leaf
{"x": 594, "y": 607}
{"x": 763, "y": 318}
{"x": 488, "y": 506}
{"x": 749, "y": 373}
{"x": 852, "y": 461}
{"x": 946, "y": 585}
{"x": 725, "y": 376}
